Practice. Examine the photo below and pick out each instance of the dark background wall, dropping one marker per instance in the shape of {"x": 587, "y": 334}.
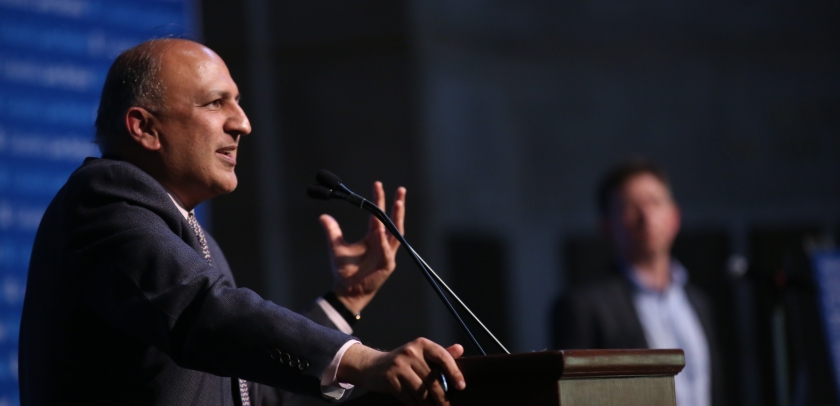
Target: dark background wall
{"x": 339, "y": 97}
{"x": 500, "y": 117}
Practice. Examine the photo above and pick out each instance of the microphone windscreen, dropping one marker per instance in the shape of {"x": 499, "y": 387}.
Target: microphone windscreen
{"x": 319, "y": 192}
{"x": 328, "y": 179}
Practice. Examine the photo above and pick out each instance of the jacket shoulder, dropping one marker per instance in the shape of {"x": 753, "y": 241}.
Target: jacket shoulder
{"x": 106, "y": 196}
{"x": 99, "y": 182}
{"x": 102, "y": 172}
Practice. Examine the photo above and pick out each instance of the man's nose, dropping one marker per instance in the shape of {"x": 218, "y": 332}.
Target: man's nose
{"x": 238, "y": 122}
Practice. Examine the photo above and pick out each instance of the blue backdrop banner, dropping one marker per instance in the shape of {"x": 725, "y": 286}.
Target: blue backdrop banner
{"x": 54, "y": 56}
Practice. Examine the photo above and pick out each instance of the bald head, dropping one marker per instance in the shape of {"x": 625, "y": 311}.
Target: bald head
{"x": 132, "y": 81}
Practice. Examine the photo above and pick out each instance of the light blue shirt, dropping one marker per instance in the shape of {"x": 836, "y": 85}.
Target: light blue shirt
{"x": 669, "y": 321}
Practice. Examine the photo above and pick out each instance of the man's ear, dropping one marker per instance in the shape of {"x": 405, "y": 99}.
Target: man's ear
{"x": 677, "y": 218}
{"x": 141, "y": 127}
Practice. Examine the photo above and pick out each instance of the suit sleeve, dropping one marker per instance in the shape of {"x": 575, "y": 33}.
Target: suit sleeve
{"x": 264, "y": 395}
{"x": 142, "y": 278}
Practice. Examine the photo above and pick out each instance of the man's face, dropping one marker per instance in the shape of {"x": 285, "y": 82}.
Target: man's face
{"x": 643, "y": 219}
{"x": 200, "y": 125}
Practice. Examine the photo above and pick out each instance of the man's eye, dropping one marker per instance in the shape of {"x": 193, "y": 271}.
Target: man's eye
{"x": 215, "y": 103}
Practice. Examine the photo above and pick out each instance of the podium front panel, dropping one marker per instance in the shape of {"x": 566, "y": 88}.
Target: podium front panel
{"x": 636, "y": 391}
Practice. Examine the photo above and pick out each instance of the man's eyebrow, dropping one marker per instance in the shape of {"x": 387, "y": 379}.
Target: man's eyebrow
{"x": 224, "y": 94}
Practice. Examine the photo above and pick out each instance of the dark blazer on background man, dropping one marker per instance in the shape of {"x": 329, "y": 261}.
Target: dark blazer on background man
{"x": 601, "y": 315}
{"x": 121, "y": 307}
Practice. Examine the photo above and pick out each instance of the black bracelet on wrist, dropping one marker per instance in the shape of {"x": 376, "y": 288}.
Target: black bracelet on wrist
{"x": 345, "y": 313}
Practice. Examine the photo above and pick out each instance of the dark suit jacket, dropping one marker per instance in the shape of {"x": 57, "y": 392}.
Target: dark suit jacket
{"x": 602, "y": 315}
{"x": 122, "y": 309}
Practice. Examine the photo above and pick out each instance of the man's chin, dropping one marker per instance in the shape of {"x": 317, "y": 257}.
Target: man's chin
{"x": 227, "y": 186}
{"x": 228, "y": 190}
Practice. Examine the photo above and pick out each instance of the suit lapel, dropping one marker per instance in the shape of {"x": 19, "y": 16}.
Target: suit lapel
{"x": 628, "y": 316}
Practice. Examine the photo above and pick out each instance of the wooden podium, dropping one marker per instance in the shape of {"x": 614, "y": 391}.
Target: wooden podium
{"x": 565, "y": 378}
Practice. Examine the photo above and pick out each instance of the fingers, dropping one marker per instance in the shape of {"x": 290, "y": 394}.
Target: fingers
{"x": 333, "y": 231}
{"x": 423, "y": 378}
{"x": 455, "y": 350}
{"x": 443, "y": 359}
{"x": 398, "y": 215}
{"x": 379, "y": 194}
{"x": 376, "y": 226}
{"x": 435, "y": 359}
{"x": 434, "y": 388}
{"x": 416, "y": 387}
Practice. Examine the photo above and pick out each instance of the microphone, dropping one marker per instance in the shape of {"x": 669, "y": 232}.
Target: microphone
{"x": 323, "y": 193}
{"x": 331, "y": 187}
{"x": 319, "y": 192}
{"x": 329, "y": 180}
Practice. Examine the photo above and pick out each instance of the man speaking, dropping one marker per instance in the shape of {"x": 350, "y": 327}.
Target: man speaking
{"x": 130, "y": 302}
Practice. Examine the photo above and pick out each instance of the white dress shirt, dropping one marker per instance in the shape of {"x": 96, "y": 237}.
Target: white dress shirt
{"x": 669, "y": 321}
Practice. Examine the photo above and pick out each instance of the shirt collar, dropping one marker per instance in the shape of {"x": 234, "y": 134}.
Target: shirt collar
{"x": 178, "y": 204}
{"x": 679, "y": 276}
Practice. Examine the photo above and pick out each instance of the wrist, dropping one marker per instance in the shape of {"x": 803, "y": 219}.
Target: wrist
{"x": 355, "y": 361}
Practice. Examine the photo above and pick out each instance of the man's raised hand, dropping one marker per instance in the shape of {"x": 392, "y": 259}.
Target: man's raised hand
{"x": 362, "y": 267}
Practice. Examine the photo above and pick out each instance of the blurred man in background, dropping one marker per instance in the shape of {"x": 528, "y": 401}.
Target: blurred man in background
{"x": 647, "y": 302}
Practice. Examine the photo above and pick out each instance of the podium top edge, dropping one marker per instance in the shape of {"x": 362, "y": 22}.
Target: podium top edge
{"x": 622, "y": 362}
{"x": 571, "y": 364}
